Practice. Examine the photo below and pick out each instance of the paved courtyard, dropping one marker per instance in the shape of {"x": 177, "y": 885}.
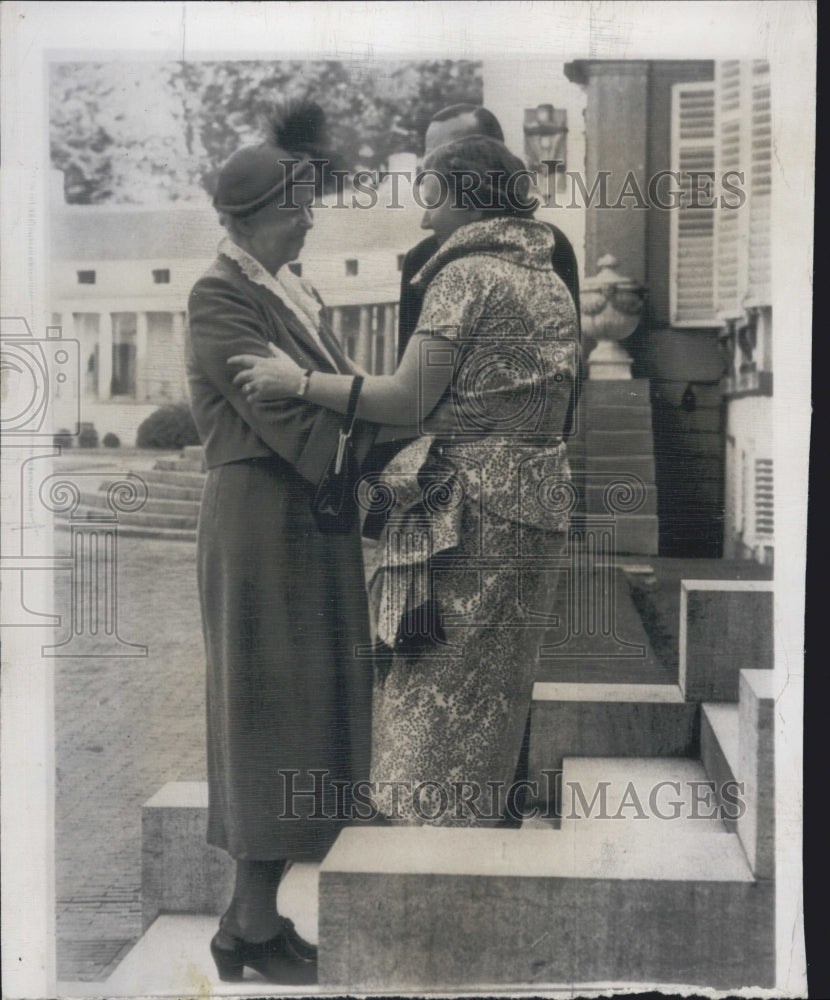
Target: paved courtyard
{"x": 124, "y": 726}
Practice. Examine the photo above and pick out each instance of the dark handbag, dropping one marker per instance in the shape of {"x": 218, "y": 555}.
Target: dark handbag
{"x": 334, "y": 505}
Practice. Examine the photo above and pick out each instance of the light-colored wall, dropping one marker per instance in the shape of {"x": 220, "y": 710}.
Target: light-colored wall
{"x": 749, "y": 435}
{"x": 126, "y": 281}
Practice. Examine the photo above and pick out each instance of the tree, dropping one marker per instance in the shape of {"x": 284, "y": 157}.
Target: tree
{"x": 82, "y": 140}
{"x": 142, "y": 132}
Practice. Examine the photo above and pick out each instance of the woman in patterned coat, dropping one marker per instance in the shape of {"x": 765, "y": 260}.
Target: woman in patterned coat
{"x": 476, "y": 507}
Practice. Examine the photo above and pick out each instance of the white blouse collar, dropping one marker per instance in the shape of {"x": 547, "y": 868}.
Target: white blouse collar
{"x": 286, "y": 286}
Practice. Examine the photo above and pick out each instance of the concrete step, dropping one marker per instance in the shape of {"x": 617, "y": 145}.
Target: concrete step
{"x": 756, "y": 769}
{"x": 615, "y": 417}
{"x": 599, "y": 490}
{"x": 438, "y": 909}
{"x": 171, "y": 491}
{"x": 605, "y": 720}
{"x": 600, "y": 637}
{"x": 152, "y": 505}
{"x": 173, "y": 959}
{"x": 182, "y": 873}
{"x": 193, "y": 480}
{"x": 180, "y": 464}
{"x": 137, "y": 530}
{"x": 719, "y": 750}
{"x": 725, "y": 627}
{"x": 428, "y": 909}
{"x": 641, "y": 466}
{"x": 169, "y": 534}
{"x": 139, "y": 518}
{"x": 640, "y": 793}
{"x": 668, "y": 901}
{"x": 631, "y": 394}
{"x": 619, "y": 442}
{"x": 637, "y": 534}
{"x": 738, "y": 751}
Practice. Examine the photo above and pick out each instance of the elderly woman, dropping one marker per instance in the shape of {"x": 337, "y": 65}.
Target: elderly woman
{"x": 478, "y": 505}
{"x": 288, "y": 705}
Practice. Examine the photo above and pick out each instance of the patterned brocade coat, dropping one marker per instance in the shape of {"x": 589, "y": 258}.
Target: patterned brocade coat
{"x": 467, "y": 563}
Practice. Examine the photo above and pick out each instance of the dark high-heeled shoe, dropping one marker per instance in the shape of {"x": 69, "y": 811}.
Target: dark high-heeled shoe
{"x": 278, "y": 959}
{"x": 297, "y": 946}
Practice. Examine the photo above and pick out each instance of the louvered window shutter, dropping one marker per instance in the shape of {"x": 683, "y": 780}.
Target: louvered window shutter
{"x": 759, "y": 292}
{"x": 692, "y": 256}
{"x": 732, "y": 155}
{"x": 763, "y": 501}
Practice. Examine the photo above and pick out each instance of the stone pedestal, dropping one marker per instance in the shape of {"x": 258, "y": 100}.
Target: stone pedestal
{"x": 725, "y": 627}
{"x": 437, "y": 909}
{"x": 619, "y": 476}
{"x": 609, "y": 362}
{"x": 605, "y": 720}
{"x": 180, "y": 872}
{"x": 756, "y": 740}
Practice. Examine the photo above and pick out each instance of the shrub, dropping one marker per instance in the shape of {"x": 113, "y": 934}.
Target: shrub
{"x": 169, "y": 427}
{"x": 63, "y": 438}
{"x": 88, "y": 437}
{"x": 111, "y": 440}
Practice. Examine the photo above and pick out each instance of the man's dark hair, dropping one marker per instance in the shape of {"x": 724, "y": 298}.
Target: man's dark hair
{"x": 486, "y": 120}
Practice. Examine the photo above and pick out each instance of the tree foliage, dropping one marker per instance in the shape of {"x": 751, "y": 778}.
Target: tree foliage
{"x": 146, "y": 132}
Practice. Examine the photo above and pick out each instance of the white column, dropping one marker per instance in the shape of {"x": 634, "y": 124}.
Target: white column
{"x": 364, "y": 340}
{"x": 178, "y": 344}
{"x": 142, "y": 386}
{"x": 390, "y": 345}
{"x": 105, "y": 356}
{"x": 337, "y": 325}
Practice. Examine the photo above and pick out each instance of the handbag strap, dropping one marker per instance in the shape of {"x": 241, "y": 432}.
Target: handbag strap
{"x": 351, "y": 407}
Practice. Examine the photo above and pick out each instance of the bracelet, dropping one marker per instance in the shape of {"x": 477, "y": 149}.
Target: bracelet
{"x": 305, "y": 378}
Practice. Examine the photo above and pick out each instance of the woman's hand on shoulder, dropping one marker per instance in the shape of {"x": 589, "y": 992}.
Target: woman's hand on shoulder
{"x": 264, "y": 380}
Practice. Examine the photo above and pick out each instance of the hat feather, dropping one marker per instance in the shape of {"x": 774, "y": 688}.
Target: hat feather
{"x": 298, "y": 126}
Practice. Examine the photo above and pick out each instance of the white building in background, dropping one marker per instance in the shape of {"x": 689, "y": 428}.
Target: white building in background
{"x": 121, "y": 275}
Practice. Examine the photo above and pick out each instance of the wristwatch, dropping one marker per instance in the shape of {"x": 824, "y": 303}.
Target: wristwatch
{"x": 305, "y": 378}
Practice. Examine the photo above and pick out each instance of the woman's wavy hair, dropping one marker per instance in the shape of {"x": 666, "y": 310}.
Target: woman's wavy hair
{"x": 481, "y": 173}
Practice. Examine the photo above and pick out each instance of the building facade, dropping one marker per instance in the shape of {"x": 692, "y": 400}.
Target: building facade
{"x": 121, "y": 276}
{"x": 652, "y": 142}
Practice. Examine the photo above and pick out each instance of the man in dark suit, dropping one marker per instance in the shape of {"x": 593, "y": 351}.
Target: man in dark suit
{"x": 457, "y": 122}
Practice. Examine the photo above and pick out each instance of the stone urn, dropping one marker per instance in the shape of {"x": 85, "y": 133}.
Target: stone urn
{"x": 611, "y": 307}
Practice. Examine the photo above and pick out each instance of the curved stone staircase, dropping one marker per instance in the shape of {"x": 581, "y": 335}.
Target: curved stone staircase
{"x": 171, "y": 511}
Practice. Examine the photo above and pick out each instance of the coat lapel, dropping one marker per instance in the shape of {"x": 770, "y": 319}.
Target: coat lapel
{"x": 304, "y": 339}
{"x": 334, "y": 348}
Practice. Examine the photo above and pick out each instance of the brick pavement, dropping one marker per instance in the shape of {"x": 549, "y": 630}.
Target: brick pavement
{"x": 123, "y": 728}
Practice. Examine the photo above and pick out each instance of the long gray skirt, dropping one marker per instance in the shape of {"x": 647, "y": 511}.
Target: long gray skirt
{"x": 288, "y": 702}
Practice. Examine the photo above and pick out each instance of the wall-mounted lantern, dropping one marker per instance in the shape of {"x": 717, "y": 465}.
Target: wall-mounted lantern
{"x": 546, "y": 138}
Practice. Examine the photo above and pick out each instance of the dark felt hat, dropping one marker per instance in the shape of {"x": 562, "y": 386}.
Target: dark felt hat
{"x": 256, "y": 175}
